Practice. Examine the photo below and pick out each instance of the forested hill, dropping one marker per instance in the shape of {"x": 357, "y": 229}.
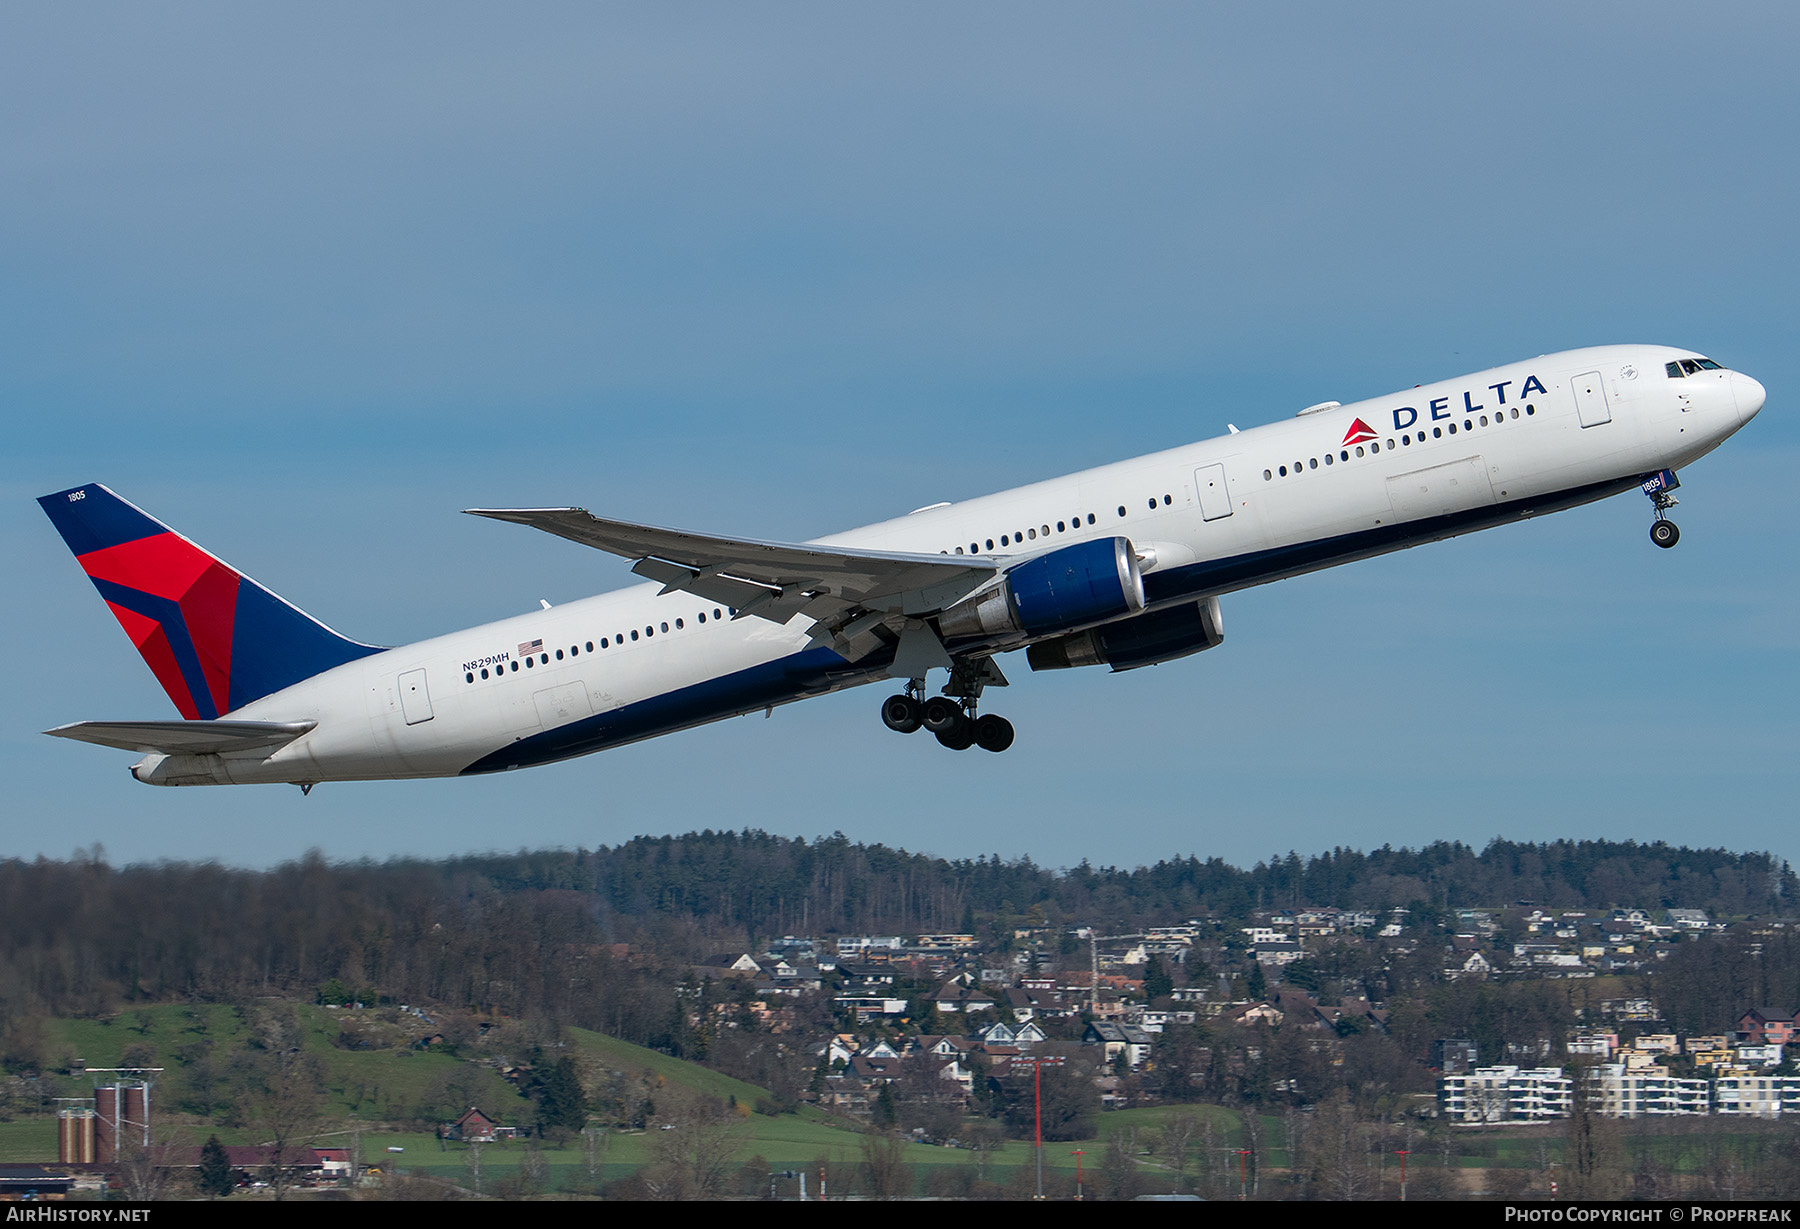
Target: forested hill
{"x": 532, "y": 933}
{"x": 779, "y": 885}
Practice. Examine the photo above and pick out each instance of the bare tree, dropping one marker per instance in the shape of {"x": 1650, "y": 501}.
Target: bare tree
{"x": 1594, "y": 1150}
{"x": 285, "y": 1107}
{"x": 886, "y": 1175}
{"x": 594, "y": 1142}
{"x": 693, "y": 1141}
{"x": 146, "y": 1167}
{"x": 1253, "y": 1145}
{"x": 1339, "y": 1152}
{"x": 1177, "y": 1137}
{"x": 472, "y": 1162}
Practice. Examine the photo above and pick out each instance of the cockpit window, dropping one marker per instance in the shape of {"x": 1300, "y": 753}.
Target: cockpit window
{"x": 1691, "y": 366}
{"x": 1674, "y": 370}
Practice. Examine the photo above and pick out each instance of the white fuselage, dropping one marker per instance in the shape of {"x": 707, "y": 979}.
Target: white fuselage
{"x": 1223, "y": 514}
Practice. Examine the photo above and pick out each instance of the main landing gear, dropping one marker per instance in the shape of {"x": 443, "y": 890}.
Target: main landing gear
{"x": 951, "y": 717}
{"x": 1662, "y": 530}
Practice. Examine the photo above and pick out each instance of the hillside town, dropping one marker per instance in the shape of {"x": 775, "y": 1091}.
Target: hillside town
{"x": 938, "y": 1016}
{"x": 551, "y": 1005}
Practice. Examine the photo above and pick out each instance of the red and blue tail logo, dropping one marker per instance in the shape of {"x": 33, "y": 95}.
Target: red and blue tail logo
{"x": 215, "y": 639}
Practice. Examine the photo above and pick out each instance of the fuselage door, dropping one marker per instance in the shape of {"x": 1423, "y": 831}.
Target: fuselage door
{"x": 1215, "y": 496}
{"x": 415, "y": 700}
{"x": 1590, "y": 399}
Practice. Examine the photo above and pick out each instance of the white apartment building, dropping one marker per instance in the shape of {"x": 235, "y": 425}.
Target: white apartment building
{"x": 1759, "y": 1096}
{"x": 1647, "y": 1092}
{"x": 1505, "y": 1094}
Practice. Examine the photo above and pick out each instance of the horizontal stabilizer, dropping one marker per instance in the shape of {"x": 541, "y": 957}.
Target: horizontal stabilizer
{"x": 186, "y": 737}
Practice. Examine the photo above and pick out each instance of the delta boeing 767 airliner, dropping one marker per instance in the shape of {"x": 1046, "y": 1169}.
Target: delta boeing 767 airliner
{"x": 1122, "y": 566}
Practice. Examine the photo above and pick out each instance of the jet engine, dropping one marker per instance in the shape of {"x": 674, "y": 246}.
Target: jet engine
{"x": 1143, "y": 640}
{"x": 1076, "y": 586}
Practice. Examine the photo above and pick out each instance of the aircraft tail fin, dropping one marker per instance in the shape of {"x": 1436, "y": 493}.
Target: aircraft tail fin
{"x": 214, "y": 638}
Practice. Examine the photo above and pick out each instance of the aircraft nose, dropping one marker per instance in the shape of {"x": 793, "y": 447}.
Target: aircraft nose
{"x": 1749, "y": 395}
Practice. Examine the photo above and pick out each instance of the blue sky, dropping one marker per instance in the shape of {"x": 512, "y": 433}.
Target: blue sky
{"x": 305, "y": 282}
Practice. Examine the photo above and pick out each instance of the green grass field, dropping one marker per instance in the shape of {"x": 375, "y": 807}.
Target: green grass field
{"x": 366, "y": 1089}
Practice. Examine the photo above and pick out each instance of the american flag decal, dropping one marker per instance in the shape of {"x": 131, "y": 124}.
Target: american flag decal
{"x": 526, "y": 650}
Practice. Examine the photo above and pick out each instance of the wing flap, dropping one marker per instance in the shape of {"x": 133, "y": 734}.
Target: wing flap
{"x": 773, "y": 580}
{"x": 186, "y": 737}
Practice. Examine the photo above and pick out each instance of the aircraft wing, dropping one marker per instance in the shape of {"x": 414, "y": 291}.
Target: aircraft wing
{"x": 186, "y": 737}
{"x": 841, "y": 587}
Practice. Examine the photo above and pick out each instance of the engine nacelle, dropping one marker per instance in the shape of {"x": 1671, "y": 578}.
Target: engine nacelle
{"x": 1090, "y": 582}
{"x": 1145, "y": 640}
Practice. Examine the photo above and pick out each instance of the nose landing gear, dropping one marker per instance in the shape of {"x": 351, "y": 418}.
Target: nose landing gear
{"x": 1662, "y": 530}
{"x": 951, "y": 717}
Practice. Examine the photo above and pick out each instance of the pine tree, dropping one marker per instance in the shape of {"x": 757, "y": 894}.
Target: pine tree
{"x": 215, "y": 1176}
{"x": 1157, "y": 981}
{"x": 562, "y": 1106}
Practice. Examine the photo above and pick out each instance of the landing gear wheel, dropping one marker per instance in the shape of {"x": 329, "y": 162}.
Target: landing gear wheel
{"x": 1664, "y": 534}
{"x": 959, "y": 737}
{"x": 941, "y": 714}
{"x": 993, "y": 733}
{"x": 901, "y": 714}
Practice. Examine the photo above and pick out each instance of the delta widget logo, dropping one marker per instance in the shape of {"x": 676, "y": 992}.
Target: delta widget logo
{"x": 1358, "y": 433}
